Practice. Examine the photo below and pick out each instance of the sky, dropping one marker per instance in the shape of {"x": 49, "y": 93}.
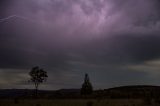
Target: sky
{"x": 117, "y": 42}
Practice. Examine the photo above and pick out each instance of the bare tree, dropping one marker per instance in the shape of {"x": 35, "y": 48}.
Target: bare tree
{"x": 38, "y": 76}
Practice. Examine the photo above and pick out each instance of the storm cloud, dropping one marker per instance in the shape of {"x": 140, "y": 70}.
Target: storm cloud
{"x": 114, "y": 41}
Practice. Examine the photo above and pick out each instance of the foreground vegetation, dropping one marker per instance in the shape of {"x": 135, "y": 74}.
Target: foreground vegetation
{"x": 77, "y": 102}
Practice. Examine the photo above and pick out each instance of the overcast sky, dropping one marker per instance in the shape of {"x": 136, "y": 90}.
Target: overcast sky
{"x": 117, "y": 42}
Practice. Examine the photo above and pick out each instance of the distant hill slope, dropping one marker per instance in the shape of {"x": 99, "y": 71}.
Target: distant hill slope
{"x": 135, "y": 88}
{"x": 133, "y": 91}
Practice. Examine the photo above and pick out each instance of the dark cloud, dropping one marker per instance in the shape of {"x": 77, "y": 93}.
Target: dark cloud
{"x": 105, "y": 38}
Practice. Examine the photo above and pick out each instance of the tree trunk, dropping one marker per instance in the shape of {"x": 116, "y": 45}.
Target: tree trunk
{"x": 36, "y": 90}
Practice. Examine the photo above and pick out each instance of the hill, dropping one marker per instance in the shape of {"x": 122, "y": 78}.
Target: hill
{"x": 134, "y": 91}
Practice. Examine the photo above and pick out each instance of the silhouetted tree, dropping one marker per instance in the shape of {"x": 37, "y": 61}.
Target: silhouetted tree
{"x": 38, "y": 76}
{"x": 86, "y": 86}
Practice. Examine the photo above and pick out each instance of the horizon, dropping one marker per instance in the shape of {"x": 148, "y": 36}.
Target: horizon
{"x": 116, "y": 42}
{"x": 79, "y": 88}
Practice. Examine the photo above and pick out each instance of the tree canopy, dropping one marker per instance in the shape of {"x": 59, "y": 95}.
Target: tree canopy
{"x": 86, "y": 86}
{"x": 38, "y": 76}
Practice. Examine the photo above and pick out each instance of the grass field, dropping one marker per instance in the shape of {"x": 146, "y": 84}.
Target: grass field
{"x": 79, "y": 102}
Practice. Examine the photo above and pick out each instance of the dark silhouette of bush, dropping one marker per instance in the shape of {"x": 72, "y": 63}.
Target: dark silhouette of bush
{"x": 89, "y": 103}
{"x": 38, "y": 104}
{"x": 38, "y": 76}
{"x": 86, "y": 86}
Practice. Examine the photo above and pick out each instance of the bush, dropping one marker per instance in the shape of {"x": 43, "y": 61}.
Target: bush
{"x": 90, "y": 103}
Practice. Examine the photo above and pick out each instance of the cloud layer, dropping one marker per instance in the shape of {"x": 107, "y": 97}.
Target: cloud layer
{"x": 108, "y": 39}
